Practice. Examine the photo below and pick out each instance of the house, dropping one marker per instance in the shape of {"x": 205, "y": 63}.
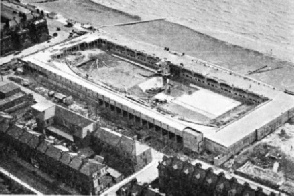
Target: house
{"x": 8, "y": 90}
{"x": 178, "y": 177}
{"x": 62, "y": 122}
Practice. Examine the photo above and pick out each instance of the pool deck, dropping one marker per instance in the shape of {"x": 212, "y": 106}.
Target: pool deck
{"x": 279, "y": 102}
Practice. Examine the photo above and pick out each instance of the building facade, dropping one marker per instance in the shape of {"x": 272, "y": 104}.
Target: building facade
{"x": 87, "y": 175}
{"x": 182, "y": 178}
{"x": 21, "y": 27}
{"x": 12, "y": 98}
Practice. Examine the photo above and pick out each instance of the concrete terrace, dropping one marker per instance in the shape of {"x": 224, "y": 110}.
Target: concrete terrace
{"x": 190, "y": 63}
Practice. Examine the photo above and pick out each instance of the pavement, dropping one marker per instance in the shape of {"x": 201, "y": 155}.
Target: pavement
{"x": 5, "y": 172}
{"x": 62, "y": 35}
{"x": 146, "y": 175}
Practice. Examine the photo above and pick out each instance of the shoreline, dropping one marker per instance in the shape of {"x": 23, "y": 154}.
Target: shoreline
{"x": 278, "y": 52}
{"x": 170, "y": 33}
{"x": 283, "y": 53}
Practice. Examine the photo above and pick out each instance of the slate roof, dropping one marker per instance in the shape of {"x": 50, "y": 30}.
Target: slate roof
{"x": 248, "y": 191}
{"x": 6, "y": 88}
{"x": 177, "y": 164}
{"x": 3, "y": 127}
{"x": 11, "y": 98}
{"x": 15, "y": 132}
{"x": 76, "y": 162}
{"x": 188, "y": 168}
{"x": 33, "y": 143}
{"x": 53, "y": 152}
{"x": 211, "y": 177}
{"x": 65, "y": 158}
{"x": 25, "y": 137}
{"x": 222, "y": 184}
{"x": 90, "y": 168}
{"x": 86, "y": 152}
{"x": 199, "y": 174}
{"x": 43, "y": 146}
{"x": 235, "y": 188}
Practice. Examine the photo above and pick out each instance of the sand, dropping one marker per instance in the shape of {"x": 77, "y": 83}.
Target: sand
{"x": 260, "y": 25}
{"x": 181, "y": 38}
{"x": 85, "y": 11}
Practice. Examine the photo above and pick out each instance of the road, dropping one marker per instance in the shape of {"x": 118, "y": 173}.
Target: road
{"x": 14, "y": 178}
{"x": 34, "y": 179}
{"x": 150, "y": 173}
{"x": 145, "y": 175}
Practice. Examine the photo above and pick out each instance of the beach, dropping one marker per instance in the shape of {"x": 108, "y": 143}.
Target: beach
{"x": 237, "y": 52}
{"x": 263, "y": 25}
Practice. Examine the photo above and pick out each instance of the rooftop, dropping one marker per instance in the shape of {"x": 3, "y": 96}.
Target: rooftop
{"x": 15, "y": 132}
{"x": 8, "y": 87}
{"x": 256, "y": 119}
{"x": 65, "y": 158}
{"x": 76, "y": 162}
{"x": 11, "y": 98}
{"x": 43, "y": 146}
{"x": 114, "y": 173}
{"x": 91, "y": 167}
{"x": 25, "y": 137}
{"x": 53, "y": 152}
{"x": 33, "y": 143}
{"x": 42, "y": 106}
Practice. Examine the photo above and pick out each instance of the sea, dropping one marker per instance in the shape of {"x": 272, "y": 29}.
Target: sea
{"x": 263, "y": 25}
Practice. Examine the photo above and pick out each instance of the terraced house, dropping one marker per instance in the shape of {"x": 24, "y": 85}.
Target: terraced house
{"x": 177, "y": 177}
{"x": 21, "y": 26}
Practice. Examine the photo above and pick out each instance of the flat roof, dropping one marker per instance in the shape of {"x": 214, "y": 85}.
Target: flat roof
{"x": 42, "y": 106}
{"x": 11, "y": 98}
{"x": 256, "y": 119}
{"x": 114, "y": 173}
{"x": 41, "y": 59}
{"x": 6, "y": 88}
{"x": 140, "y": 148}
